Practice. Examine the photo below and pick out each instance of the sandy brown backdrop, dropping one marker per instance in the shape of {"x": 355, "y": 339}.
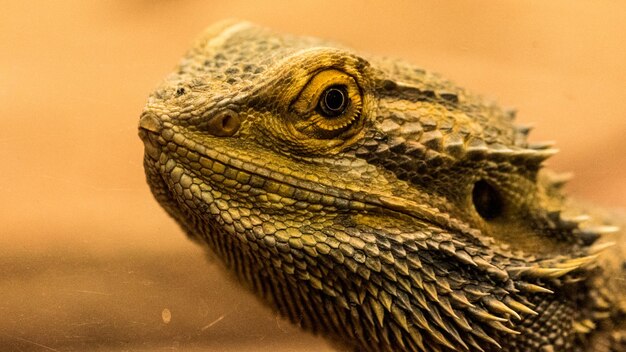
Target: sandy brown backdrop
{"x": 88, "y": 260}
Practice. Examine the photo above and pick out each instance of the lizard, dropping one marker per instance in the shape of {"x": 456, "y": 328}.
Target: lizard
{"x": 376, "y": 203}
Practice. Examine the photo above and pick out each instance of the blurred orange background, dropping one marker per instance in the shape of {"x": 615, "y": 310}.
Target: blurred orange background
{"x": 89, "y": 261}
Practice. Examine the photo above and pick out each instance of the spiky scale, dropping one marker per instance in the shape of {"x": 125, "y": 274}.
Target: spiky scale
{"x": 462, "y": 321}
{"x": 461, "y": 299}
{"x": 501, "y": 327}
{"x": 399, "y": 317}
{"x": 541, "y": 145}
{"x": 378, "y": 310}
{"x": 416, "y": 337}
{"x": 480, "y": 333}
{"x": 532, "y": 288}
{"x": 491, "y": 269}
{"x": 538, "y": 273}
{"x": 436, "y": 317}
{"x": 385, "y": 299}
{"x": 484, "y": 315}
{"x": 420, "y": 320}
{"x": 431, "y": 291}
{"x": 399, "y": 335}
{"x": 475, "y": 345}
{"x": 465, "y": 258}
{"x": 448, "y": 248}
{"x": 519, "y": 307}
{"x": 444, "y": 303}
{"x": 600, "y": 247}
{"x": 451, "y": 330}
{"x": 442, "y": 339}
{"x": 499, "y": 307}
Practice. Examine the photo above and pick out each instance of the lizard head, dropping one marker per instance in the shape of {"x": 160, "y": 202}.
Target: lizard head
{"x": 319, "y": 175}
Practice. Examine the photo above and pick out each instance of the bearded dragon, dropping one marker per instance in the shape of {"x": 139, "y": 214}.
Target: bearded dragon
{"x": 376, "y": 203}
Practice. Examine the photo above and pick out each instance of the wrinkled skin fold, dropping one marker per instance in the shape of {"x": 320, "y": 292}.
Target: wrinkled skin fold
{"x": 376, "y": 203}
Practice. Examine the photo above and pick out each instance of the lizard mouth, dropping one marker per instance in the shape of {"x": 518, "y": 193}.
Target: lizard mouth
{"x": 228, "y": 170}
{"x": 279, "y": 185}
{"x": 149, "y": 129}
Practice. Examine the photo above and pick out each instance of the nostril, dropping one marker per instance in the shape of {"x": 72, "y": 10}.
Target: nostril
{"x": 224, "y": 124}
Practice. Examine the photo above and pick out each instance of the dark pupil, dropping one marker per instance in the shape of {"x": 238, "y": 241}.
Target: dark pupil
{"x": 334, "y": 101}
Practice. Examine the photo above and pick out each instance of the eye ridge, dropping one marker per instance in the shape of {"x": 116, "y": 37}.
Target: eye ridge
{"x": 334, "y": 101}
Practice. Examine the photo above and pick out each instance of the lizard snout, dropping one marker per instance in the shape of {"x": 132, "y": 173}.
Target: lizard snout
{"x": 148, "y": 121}
{"x": 149, "y": 125}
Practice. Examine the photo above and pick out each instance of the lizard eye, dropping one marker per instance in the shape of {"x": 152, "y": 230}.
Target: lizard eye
{"x": 329, "y": 105}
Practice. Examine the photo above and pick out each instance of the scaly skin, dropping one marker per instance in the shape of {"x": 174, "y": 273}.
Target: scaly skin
{"x": 376, "y": 203}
